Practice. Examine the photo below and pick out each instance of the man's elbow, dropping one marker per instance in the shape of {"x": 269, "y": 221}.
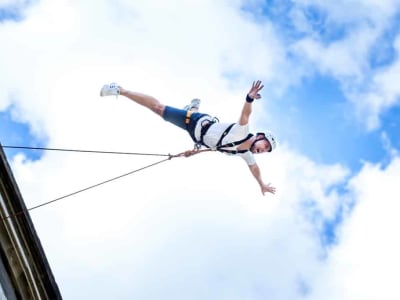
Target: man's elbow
{"x": 243, "y": 121}
{"x": 253, "y": 168}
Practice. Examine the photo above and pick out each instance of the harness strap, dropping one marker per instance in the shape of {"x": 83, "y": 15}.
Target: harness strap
{"x": 232, "y": 151}
{"x": 219, "y": 147}
{"x": 188, "y": 115}
{"x": 236, "y": 142}
{"x": 204, "y": 129}
{"x": 232, "y": 144}
{"x": 205, "y": 126}
{"x": 224, "y": 134}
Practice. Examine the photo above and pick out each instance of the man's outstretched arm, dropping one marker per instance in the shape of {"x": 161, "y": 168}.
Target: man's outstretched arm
{"x": 251, "y": 95}
{"x": 265, "y": 188}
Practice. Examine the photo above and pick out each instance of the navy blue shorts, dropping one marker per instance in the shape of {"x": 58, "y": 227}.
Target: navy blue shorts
{"x": 177, "y": 117}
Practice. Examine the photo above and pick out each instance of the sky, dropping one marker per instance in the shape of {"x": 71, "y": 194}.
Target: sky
{"x": 199, "y": 227}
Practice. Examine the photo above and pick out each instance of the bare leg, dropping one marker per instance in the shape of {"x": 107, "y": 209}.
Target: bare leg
{"x": 147, "y": 101}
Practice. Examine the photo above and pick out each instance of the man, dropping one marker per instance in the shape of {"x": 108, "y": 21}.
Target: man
{"x": 233, "y": 139}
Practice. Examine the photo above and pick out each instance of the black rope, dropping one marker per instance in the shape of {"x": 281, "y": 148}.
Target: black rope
{"x": 183, "y": 154}
{"x": 88, "y": 188}
{"x": 82, "y": 151}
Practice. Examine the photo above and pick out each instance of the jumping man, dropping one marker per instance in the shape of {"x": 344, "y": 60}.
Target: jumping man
{"x": 229, "y": 138}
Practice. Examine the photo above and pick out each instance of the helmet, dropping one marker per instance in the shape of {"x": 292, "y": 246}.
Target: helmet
{"x": 270, "y": 138}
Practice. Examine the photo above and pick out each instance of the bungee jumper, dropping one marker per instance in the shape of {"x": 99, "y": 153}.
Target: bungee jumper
{"x": 207, "y": 131}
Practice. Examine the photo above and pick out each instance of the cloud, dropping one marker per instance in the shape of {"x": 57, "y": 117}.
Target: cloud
{"x": 161, "y": 227}
{"x": 382, "y": 94}
{"x": 192, "y": 228}
{"x": 365, "y": 265}
{"x": 340, "y": 42}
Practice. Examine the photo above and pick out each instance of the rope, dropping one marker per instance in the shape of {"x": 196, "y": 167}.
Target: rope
{"x": 82, "y": 151}
{"x": 87, "y": 188}
{"x": 182, "y": 154}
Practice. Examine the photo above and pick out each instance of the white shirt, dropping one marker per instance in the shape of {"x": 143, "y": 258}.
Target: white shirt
{"x": 237, "y": 133}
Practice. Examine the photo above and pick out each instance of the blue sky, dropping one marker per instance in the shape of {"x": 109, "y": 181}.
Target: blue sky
{"x": 331, "y": 96}
{"x": 14, "y": 133}
{"x": 322, "y": 126}
{"x": 325, "y": 127}
{"x": 14, "y": 10}
{"x": 320, "y": 120}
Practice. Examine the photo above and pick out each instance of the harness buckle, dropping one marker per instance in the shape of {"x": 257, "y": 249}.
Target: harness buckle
{"x": 205, "y": 125}
{"x": 188, "y": 115}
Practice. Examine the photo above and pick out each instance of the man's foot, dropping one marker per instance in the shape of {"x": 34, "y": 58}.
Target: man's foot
{"x": 111, "y": 89}
{"x": 194, "y": 105}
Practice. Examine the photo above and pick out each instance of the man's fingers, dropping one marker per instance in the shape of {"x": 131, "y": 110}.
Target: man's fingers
{"x": 256, "y": 84}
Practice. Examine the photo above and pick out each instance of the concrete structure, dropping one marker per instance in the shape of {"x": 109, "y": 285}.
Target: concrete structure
{"x": 24, "y": 270}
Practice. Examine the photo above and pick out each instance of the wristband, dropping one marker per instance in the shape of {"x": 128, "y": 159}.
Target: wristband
{"x": 248, "y": 99}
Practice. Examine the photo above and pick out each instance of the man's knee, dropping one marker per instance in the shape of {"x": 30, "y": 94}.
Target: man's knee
{"x": 158, "y": 108}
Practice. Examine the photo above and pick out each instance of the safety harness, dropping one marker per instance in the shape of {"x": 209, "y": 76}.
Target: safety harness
{"x": 205, "y": 126}
{"x": 220, "y": 146}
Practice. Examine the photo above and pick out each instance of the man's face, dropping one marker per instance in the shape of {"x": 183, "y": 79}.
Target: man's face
{"x": 261, "y": 146}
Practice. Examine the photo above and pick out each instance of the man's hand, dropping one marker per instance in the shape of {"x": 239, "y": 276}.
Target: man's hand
{"x": 252, "y": 94}
{"x": 255, "y": 88}
{"x": 267, "y": 188}
{"x": 189, "y": 153}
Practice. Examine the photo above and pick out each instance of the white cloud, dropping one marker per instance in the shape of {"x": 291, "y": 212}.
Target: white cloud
{"x": 383, "y": 92}
{"x": 161, "y": 227}
{"x": 12, "y": 3}
{"x": 193, "y": 228}
{"x": 365, "y": 265}
{"x": 347, "y": 58}
{"x": 351, "y": 12}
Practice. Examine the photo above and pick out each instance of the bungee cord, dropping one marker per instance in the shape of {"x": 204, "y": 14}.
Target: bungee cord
{"x": 169, "y": 157}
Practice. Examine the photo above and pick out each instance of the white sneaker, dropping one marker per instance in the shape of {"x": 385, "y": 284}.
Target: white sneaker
{"x": 195, "y": 104}
{"x": 111, "y": 89}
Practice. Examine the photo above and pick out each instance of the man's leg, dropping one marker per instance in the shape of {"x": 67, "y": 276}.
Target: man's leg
{"x": 145, "y": 100}
{"x": 178, "y": 117}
